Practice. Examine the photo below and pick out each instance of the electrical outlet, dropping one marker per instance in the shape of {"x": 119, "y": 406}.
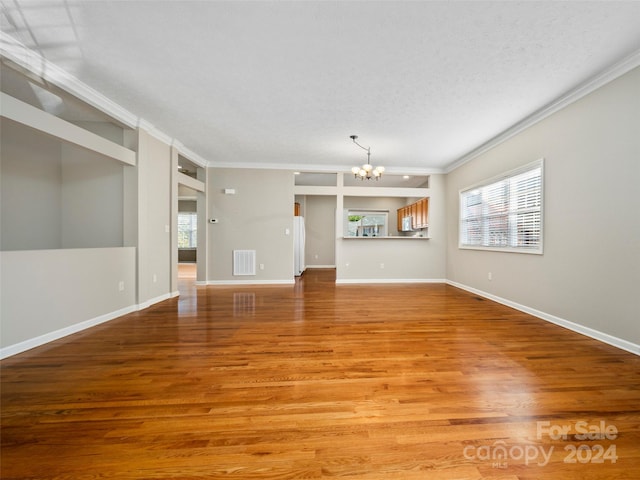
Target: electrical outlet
{"x": 489, "y": 276}
{"x": 121, "y": 286}
{"x": 262, "y": 266}
{"x": 315, "y": 256}
{"x": 155, "y": 278}
{"x": 382, "y": 265}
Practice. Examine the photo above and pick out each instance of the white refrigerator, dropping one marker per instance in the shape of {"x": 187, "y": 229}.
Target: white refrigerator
{"x": 298, "y": 246}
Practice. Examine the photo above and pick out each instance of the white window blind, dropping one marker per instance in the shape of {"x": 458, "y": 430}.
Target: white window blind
{"x": 504, "y": 214}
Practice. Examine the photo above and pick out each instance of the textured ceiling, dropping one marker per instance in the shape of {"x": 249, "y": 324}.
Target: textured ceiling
{"x": 286, "y": 83}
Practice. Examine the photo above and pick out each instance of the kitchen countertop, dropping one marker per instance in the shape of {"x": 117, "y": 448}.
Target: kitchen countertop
{"x": 388, "y": 237}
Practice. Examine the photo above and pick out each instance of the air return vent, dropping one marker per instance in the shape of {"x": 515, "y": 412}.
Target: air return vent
{"x": 244, "y": 262}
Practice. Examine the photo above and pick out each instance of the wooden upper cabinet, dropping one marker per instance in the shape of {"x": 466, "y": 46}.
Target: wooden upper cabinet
{"x": 414, "y": 215}
{"x": 423, "y": 213}
{"x": 419, "y": 213}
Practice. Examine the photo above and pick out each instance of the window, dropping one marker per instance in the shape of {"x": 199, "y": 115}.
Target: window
{"x": 187, "y": 230}
{"x": 504, "y": 214}
{"x": 366, "y": 223}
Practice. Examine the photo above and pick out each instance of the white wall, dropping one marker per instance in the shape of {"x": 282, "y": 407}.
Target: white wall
{"x": 106, "y": 130}
{"x": 320, "y": 227}
{"x": 254, "y": 218}
{"x": 187, "y": 206}
{"x": 590, "y": 271}
{"x": 46, "y": 294}
{"x": 409, "y": 260}
{"x": 57, "y": 197}
{"x": 30, "y": 193}
{"x": 154, "y": 219}
{"x": 92, "y": 199}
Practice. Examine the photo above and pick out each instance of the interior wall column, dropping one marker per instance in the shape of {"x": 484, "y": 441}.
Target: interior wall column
{"x": 174, "y": 221}
{"x": 203, "y": 229}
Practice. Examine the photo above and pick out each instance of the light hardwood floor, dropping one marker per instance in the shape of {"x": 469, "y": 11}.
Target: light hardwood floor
{"x": 321, "y": 381}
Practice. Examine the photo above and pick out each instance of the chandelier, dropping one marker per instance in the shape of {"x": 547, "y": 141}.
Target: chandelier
{"x": 366, "y": 170}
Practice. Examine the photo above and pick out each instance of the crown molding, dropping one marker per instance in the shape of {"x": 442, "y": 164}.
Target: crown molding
{"x": 279, "y": 166}
{"x": 35, "y": 65}
{"x": 614, "y": 71}
{"x": 156, "y": 133}
{"x": 169, "y": 140}
{"x": 341, "y": 168}
{"x": 30, "y": 63}
{"x": 191, "y": 155}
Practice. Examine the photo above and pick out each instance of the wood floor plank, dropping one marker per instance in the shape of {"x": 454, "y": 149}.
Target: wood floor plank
{"x": 311, "y": 381}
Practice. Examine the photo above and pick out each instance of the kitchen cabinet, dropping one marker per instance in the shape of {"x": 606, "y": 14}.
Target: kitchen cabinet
{"x": 402, "y": 212}
{"x": 414, "y": 214}
{"x": 419, "y": 213}
{"x": 417, "y": 217}
{"x": 422, "y": 213}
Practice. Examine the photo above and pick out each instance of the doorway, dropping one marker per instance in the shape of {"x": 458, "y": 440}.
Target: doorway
{"x": 190, "y": 240}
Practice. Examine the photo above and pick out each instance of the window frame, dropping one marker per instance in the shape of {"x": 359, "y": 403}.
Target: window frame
{"x": 493, "y": 181}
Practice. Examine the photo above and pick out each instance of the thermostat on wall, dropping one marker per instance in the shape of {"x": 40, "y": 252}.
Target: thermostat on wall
{"x": 229, "y": 191}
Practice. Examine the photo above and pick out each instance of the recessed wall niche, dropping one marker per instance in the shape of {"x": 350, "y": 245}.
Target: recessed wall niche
{"x": 56, "y": 195}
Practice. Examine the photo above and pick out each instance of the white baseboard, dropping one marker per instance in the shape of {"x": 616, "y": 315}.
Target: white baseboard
{"x": 63, "y": 332}
{"x": 78, "y": 327}
{"x": 251, "y": 282}
{"x": 389, "y": 280}
{"x": 320, "y": 266}
{"x": 589, "y": 332}
{"x": 153, "y": 301}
